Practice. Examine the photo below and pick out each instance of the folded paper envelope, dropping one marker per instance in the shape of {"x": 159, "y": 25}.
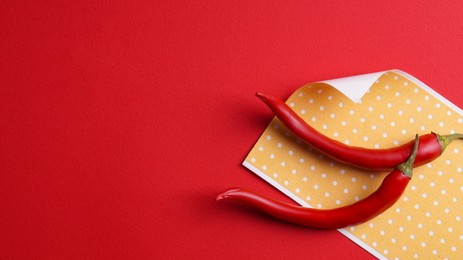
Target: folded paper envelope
{"x": 377, "y": 110}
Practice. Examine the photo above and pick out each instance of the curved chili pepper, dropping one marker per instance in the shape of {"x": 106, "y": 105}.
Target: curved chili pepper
{"x": 431, "y": 145}
{"x": 390, "y": 190}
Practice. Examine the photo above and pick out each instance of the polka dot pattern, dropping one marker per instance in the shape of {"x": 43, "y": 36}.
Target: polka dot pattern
{"x": 427, "y": 221}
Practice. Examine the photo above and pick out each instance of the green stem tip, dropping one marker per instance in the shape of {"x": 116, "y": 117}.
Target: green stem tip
{"x": 407, "y": 167}
{"x": 445, "y": 140}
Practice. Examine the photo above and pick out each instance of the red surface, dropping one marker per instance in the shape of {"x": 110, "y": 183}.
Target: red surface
{"x": 121, "y": 121}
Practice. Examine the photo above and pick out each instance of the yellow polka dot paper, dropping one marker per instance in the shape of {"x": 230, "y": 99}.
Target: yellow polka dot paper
{"x": 426, "y": 223}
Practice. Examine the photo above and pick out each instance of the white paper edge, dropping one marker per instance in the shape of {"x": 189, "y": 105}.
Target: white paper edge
{"x": 354, "y": 87}
{"x": 338, "y": 84}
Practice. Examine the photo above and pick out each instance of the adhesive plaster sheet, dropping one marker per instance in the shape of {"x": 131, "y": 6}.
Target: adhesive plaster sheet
{"x": 380, "y": 110}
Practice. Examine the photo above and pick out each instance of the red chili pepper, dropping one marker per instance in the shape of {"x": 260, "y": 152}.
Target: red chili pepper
{"x": 390, "y": 190}
{"x": 431, "y": 145}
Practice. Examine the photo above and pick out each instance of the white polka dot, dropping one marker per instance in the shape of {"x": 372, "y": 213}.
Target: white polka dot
{"x": 283, "y": 164}
{"x": 303, "y": 111}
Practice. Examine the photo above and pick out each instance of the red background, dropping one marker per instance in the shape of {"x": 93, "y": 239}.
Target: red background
{"x": 120, "y": 121}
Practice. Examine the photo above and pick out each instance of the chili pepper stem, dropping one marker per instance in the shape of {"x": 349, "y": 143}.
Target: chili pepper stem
{"x": 407, "y": 167}
{"x": 445, "y": 140}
